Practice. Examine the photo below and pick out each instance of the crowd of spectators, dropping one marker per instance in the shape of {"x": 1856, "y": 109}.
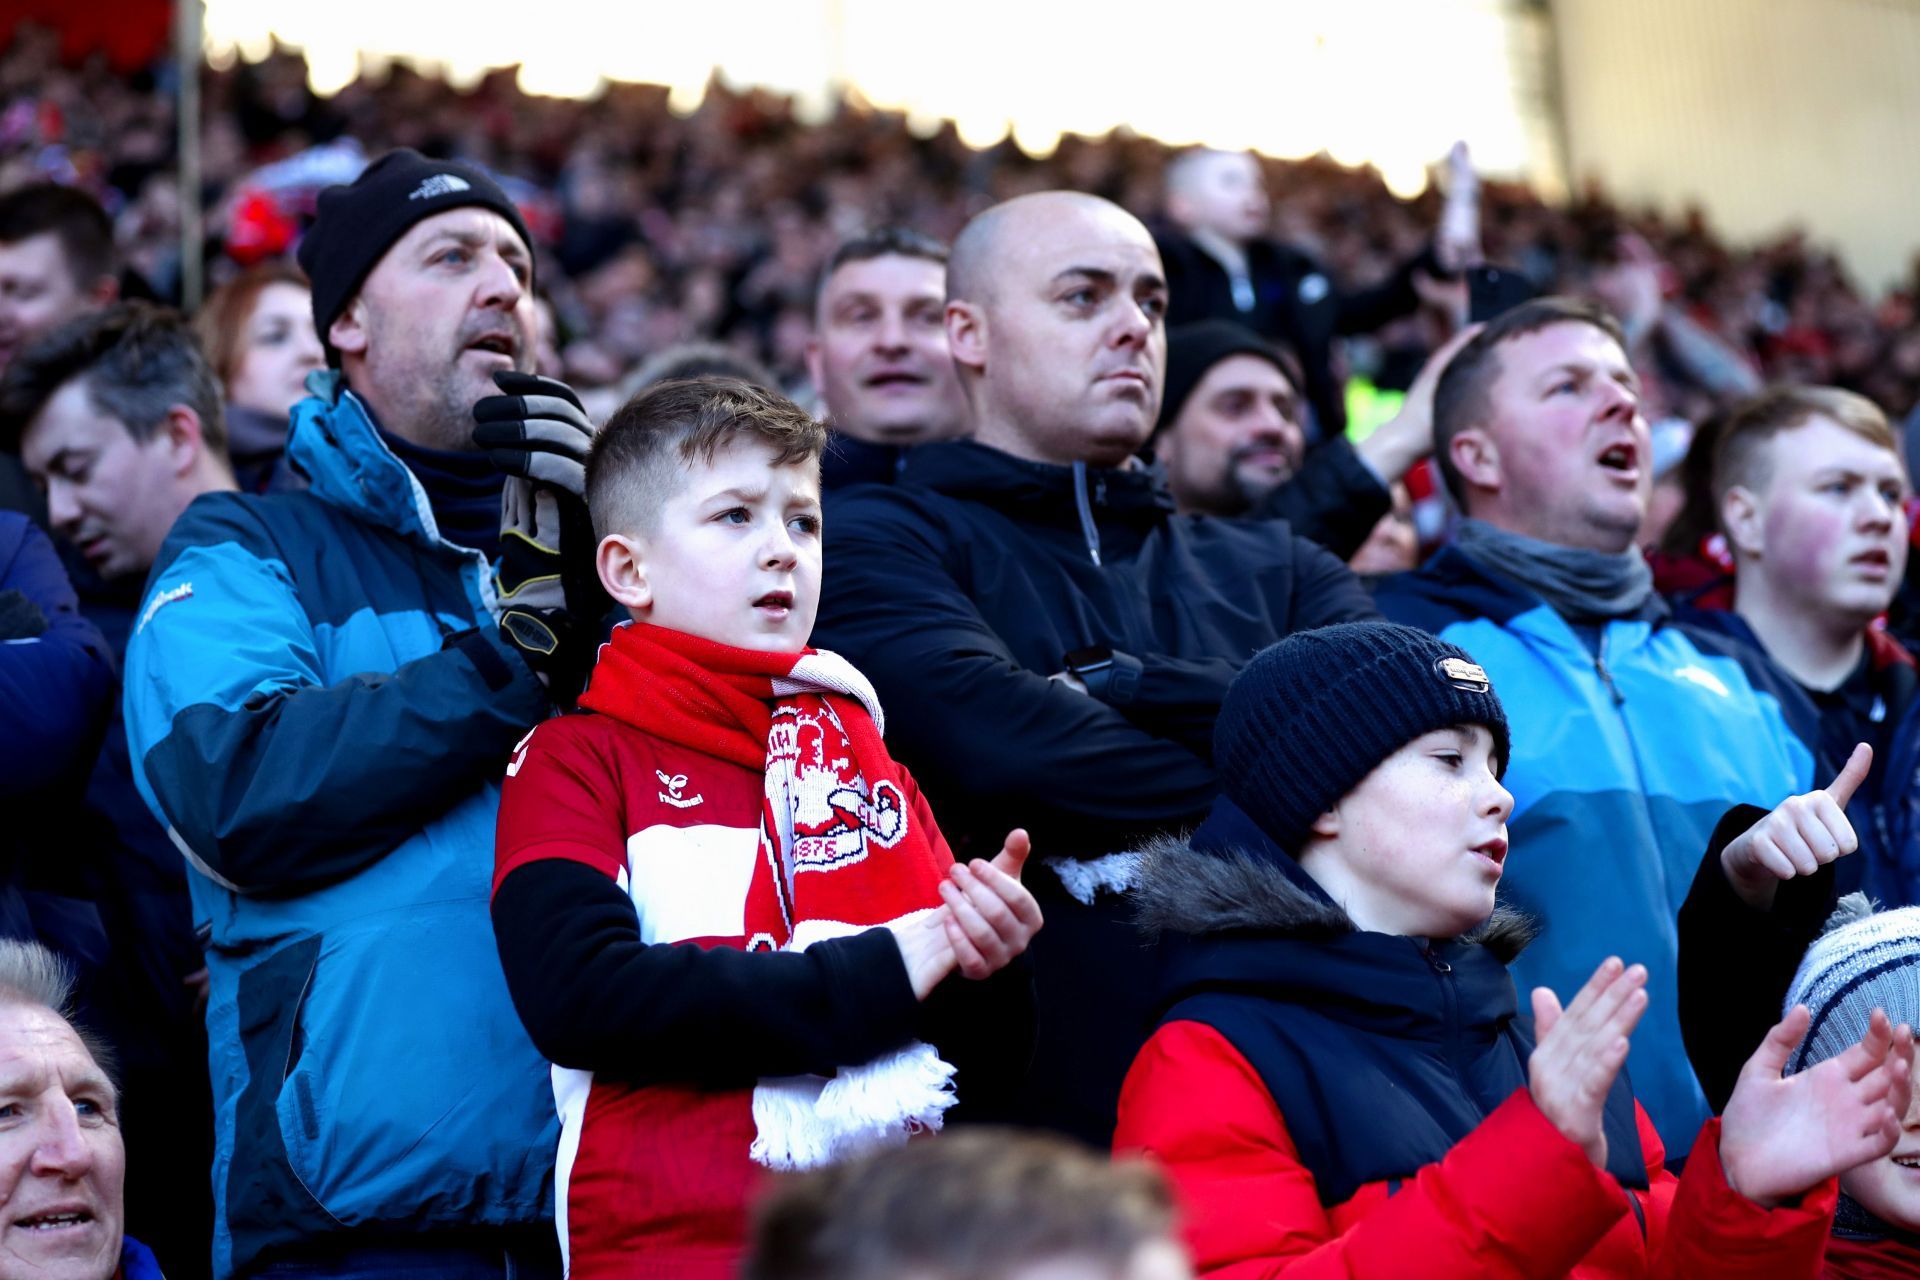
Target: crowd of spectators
{"x": 412, "y": 709}
{"x": 666, "y": 227}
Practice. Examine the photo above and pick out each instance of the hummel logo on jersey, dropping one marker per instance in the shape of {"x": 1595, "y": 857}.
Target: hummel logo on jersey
{"x": 440, "y": 184}
{"x": 674, "y": 785}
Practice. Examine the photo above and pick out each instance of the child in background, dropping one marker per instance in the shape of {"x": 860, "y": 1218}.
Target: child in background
{"x": 1341, "y": 1084}
{"x": 724, "y": 912}
{"x": 1866, "y": 962}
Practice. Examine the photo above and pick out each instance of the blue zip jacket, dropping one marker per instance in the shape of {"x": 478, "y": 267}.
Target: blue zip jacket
{"x": 1623, "y": 762}
{"x": 320, "y": 707}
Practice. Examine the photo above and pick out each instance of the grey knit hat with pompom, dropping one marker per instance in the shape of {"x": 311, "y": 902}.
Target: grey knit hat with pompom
{"x": 1865, "y": 960}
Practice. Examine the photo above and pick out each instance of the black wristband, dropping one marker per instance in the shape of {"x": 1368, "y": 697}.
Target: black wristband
{"x": 1110, "y": 676}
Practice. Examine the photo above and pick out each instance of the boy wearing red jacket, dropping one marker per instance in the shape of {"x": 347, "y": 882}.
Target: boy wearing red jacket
{"x": 724, "y": 912}
{"x": 1341, "y": 1084}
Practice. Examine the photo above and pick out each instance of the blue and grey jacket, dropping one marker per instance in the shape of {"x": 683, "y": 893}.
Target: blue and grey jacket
{"x": 1624, "y": 759}
{"x": 320, "y": 706}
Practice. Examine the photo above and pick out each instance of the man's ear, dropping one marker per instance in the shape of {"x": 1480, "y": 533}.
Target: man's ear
{"x": 105, "y": 290}
{"x": 184, "y": 438}
{"x": 817, "y": 373}
{"x": 1740, "y": 516}
{"x": 1476, "y": 458}
{"x": 621, "y": 563}
{"x": 967, "y": 334}
{"x": 1326, "y": 826}
{"x": 348, "y": 332}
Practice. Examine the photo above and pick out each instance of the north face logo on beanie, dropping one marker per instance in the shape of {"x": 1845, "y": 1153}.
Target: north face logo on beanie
{"x": 358, "y": 223}
{"x": 440, "y": 184}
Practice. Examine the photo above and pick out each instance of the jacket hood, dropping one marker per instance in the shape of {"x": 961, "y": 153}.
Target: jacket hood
{"x": 1229, "y": 878}
{"x": 334, "y": 443}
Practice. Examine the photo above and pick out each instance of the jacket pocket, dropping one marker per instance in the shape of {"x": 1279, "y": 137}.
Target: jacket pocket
{"x": 267, "y": 1202}
{"x": 412, "y": 1095}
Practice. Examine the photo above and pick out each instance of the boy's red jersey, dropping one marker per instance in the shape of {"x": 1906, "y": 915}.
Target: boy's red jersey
{"x": 650, "y": 1180}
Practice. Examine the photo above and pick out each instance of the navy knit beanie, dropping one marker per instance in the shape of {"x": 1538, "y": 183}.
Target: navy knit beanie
{"x": 1193, "y": 349}
{"x": 357, "y": 223}
{"x": 1310, "y": 717}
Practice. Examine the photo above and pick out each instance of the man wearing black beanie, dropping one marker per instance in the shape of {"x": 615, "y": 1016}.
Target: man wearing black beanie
{"x": 1232, "y": 436}
{"x": 324, "y": 688}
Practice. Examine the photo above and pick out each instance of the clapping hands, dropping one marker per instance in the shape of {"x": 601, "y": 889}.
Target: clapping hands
{"x": 1582, "y": 1048}
{"x": 1781, "y": 1136}
{"x": 985, "y": 920}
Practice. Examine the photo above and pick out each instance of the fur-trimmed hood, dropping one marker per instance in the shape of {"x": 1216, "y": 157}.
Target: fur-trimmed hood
{"x": 1180, "y": 889}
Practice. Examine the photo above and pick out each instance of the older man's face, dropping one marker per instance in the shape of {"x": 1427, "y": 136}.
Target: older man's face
{"x": 449, "y": 305}
{"x": 62, "y": 1166}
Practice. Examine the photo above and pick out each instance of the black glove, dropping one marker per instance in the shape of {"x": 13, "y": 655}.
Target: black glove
{"x": 538, "y": 432}
{"x": 20, "y": 617}
{"x": 531, "y": 598}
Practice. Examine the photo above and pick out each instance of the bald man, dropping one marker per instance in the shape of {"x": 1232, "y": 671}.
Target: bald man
{"x": 1222, "y": 264}
{"x": 1050, "y": 640}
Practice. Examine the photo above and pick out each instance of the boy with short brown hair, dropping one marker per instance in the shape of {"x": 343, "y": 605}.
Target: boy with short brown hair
{"x": 724, "y": 912}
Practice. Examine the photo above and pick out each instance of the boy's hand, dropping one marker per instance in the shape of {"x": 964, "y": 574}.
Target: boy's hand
{"x": 991, "y": 915}
{"x": 925, "y": 950}
{"x": 1581, "y": 1049}
{"x": 1798, "y": 838}
{"x": 1782, "y": 1137}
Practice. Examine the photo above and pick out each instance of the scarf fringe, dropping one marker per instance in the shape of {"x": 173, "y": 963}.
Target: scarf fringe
{"x": 804, "y": 1122}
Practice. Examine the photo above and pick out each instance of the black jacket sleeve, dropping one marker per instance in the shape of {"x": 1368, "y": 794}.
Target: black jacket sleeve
{"x": 1736, "y": 963}
{"x": 593, "y": 996}
{"x": 1336, "y": 500}
{"x": 1325, "y": 591}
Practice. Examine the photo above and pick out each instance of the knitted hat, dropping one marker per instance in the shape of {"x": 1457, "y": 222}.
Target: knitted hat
{"x": 357, "y": 223}
{"x": 1193, "y": 349}
{"x": 1310, "y": 717}
{"x": 1866, "y": 960}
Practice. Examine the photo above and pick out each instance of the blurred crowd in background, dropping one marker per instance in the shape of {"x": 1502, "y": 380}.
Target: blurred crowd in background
{"x": 659, "y": 227}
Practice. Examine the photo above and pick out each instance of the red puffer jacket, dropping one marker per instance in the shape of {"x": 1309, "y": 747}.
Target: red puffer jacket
{"x": 1514, "y": 1200}
{"x": 1334, "y": 1104}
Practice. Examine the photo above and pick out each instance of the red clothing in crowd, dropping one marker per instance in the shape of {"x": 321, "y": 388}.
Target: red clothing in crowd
{"x": 1514, "y": 1200}
{"x": 1871, "y": 1260}
{"x": 651, "y": 1180}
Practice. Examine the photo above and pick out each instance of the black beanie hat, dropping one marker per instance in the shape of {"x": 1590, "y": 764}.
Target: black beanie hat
{"x": 1310, "y": 717}
{"x": 357, "y": 223}
{"x": 1192, "y": 349}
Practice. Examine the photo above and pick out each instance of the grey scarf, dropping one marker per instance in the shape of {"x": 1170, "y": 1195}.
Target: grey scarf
{"x": 1580, "y": 585}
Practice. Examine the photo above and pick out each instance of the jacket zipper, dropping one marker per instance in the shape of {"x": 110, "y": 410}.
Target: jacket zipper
{"x": 1088, "y": 529}
{"x": 1450, "y": 1007}
{"x": 1606, "y": 676}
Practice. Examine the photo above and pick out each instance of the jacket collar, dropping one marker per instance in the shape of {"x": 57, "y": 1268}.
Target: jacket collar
{"x": 334, "y": 442}
{"x": 1039, "y": 492}
{"x": 1230, "y": 877}
{"x": 1451, "y": 585}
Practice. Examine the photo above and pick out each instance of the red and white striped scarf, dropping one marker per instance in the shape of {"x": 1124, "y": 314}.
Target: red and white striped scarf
{"x": 841, "y": 848}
